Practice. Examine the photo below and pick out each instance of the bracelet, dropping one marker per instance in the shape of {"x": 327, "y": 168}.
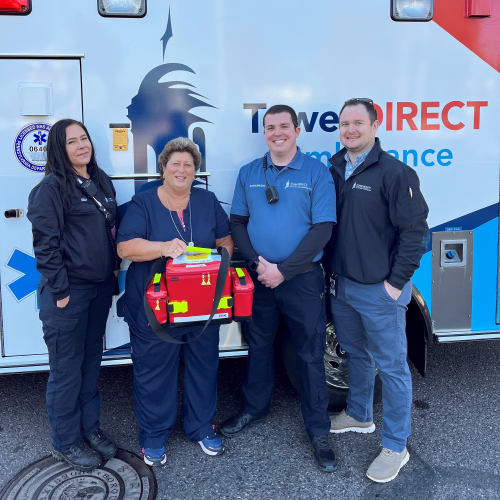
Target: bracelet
{"x": 161, "y": 250}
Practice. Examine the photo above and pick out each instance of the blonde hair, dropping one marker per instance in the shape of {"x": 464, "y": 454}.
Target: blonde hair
{"x": 179, "y": 145}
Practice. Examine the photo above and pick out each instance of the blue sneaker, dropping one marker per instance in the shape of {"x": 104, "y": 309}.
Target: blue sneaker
{"x": 155, "y": 458}
{"x": 212, "y": 445}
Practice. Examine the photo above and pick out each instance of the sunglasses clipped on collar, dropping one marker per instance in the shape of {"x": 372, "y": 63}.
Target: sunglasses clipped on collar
{"x": 366, "y": 100}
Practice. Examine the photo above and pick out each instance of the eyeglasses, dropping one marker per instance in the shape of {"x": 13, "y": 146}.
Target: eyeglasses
{"x": 366, "y": 100}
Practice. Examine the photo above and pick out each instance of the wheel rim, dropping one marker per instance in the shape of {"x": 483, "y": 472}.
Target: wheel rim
{"x": 335, "y": 360}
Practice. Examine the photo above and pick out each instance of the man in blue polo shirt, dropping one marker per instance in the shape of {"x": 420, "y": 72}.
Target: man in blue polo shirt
{"x": 282, "y": 216}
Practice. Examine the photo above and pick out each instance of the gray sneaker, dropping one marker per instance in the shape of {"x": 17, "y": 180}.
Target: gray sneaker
{"x": 342, "y": 422}
{"x": 386, "y": 466}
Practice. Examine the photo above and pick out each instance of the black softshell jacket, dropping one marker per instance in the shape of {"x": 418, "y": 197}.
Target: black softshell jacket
{"x": 381, "y": 232}
{"x": 72, "y": 247}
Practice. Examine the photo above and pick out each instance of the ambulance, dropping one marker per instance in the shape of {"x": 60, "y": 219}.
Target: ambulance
{"x": 141, "y": 72}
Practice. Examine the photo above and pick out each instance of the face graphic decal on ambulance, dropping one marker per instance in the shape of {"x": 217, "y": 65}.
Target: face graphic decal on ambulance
{"x": 160, "y": 112}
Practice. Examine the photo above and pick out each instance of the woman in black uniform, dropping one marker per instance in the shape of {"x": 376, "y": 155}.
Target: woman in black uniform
{"x": 75, "y": 253}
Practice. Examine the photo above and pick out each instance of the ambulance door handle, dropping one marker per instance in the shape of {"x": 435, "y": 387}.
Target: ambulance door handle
{"x": 14, "y": 213}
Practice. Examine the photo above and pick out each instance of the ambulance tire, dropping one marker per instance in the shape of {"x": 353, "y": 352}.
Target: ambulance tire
{"x": 336, "y": 374}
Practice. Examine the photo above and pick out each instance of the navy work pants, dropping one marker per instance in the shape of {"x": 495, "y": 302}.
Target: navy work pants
{"x": 370, "y": 326}
{"x": 74, "y": 339}
{"x": 301, "y": 302}
{"x": 156, "y": 365}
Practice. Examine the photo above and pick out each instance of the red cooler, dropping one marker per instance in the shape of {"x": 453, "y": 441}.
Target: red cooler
{"x": 191, "y": 290}
{"x": 243, "y": 294}
{"x": 157, "y": 297}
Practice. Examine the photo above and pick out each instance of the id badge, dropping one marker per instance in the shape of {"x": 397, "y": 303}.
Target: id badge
{"x": 333, "y": 284}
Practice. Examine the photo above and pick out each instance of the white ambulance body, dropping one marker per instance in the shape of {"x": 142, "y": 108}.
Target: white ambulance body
{"x": 209, "y": 70}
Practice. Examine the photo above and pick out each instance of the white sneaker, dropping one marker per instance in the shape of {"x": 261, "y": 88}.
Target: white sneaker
{"x": 342, "y": 422}
{"x": 386, "y": 466}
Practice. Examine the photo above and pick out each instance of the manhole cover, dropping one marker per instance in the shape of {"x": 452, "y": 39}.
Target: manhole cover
{"x": 124, "y": 477}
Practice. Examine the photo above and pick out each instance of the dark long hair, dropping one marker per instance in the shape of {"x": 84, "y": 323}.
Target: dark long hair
{"x": 60, "y": 167}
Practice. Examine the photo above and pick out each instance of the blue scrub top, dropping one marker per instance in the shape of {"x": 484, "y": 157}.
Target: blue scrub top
{"x": 306, "y": 197}
{"x": 147, "y": 218}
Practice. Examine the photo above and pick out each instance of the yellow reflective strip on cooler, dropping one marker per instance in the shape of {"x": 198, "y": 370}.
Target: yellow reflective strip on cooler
{"x": 157, "y": 278}
{"x": 240, "y": 272}
{"x": 179, "y": 307}
{"x": 223, "y": 303}
{"x": 198, "y": 250}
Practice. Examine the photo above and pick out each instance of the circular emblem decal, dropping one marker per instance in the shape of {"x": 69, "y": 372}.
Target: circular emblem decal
{"x": 124, "y": 477}
{"x": 30, "y": 146}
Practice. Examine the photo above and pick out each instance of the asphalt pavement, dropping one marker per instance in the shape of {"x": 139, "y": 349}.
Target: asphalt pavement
{"x": 454, "y": 446}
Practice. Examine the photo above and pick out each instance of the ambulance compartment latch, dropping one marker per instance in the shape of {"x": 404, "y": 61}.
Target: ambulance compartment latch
{"x": 453, "y": 253}
{"x": 14, "y": 213}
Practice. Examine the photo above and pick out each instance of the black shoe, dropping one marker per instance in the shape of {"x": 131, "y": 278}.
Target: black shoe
{"x": 239, "y": 423}
{"x": 101, "y": 443}
{"x": 323, "y": 453}
{"x": 79, "y": 456}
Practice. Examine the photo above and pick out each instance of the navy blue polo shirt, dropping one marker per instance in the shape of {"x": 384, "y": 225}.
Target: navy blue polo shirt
{"x": 306, "y": 197}
{"x": 147, "y": 218}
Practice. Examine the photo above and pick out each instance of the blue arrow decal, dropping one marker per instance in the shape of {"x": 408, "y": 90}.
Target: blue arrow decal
{"x": 25, "y": 264}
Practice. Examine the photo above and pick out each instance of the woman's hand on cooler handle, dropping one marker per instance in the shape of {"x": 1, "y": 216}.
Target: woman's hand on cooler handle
{"x": 173, "y": 248}
{"x": 141, "y": 250}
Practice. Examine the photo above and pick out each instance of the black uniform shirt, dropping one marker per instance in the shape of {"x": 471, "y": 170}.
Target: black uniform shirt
{"x": 72, "y": 247}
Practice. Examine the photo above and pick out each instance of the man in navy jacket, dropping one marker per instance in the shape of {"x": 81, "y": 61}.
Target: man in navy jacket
{"x": 380, "y": 236}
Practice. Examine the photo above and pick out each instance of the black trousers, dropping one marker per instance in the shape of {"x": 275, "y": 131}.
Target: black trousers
{"x": 301, "y": 301}
{"x": 74, "y": 339}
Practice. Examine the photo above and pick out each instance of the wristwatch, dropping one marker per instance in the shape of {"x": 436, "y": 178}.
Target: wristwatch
{"x": 254, "y": 265}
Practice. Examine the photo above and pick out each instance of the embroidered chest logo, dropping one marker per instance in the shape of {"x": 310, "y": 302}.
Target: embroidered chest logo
{"x": 297, "y": 185}
{"x": 361, "y": 186}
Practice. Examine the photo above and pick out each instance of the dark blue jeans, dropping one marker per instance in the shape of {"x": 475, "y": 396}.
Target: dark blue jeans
{"x": 301, "y": 302}
{"x": 370, "y": 326}
{"x": 74, "y": 339}
{"x": 156, "y": 367}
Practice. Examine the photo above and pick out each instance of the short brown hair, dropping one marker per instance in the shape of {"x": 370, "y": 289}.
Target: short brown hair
{"x": 367, "y": 103}
{"x": 179, "y": 145}
{"x": 281, "y": 108}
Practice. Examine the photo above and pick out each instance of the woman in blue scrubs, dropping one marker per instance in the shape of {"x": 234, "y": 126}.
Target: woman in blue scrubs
{"x": 162, "y": 222}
